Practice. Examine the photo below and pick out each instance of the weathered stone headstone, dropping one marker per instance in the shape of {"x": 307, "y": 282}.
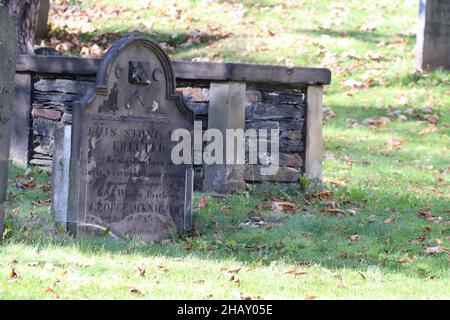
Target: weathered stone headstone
{"x": 122, "y": 179}
{"x": 8, "y": 43}
{"x": 42, "y": 20}
{"x": 433, "y": 35}
{"x": 226, "y": 111}
{"x": 60, "y": 172}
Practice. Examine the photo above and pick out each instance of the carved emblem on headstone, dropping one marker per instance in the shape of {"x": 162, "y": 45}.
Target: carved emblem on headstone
{"x": 139, "y": 73}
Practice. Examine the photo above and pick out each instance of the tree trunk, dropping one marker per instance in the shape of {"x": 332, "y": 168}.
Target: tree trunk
{"x": 24, "y": 14}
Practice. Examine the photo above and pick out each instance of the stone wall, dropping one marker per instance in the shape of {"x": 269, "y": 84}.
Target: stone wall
{"x": 265, "y": 108}
{"x": 276, "y": 98}
{"x": 51, "y": 107}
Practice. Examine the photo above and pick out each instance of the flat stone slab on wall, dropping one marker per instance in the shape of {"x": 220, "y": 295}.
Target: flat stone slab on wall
{"x": 122, "y": 178}
{"x": 8, "y": 43}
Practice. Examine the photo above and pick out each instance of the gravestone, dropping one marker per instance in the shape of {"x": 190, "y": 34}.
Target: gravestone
{"x": 122, "y": 179}
{"x": 8, "y": 44}
{"x": 433, "y": 35}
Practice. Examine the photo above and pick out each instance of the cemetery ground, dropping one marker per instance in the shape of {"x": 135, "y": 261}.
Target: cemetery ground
{"x": 380, "y": 229}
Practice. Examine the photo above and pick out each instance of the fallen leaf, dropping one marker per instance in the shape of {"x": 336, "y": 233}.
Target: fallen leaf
{"x": 389, "y": 220}
{"x": 25, "y": 183}
{"x": 353, "y": 238}
{"x": 328, "y": 113}
{"x": 225, "y": 209}
{"x": 288, "y": 207}
{"x": 431, "y": 118}
{"x": 199, "y": 281}
{"x": 435, "y": 250}
{"x": 28, "y": 172}
{"x": 307, "y": 263}
{"x": 13, "y": 274}
{"x": 354, "y": 84}
{"x": 163, "y": 269}
{"x": 276, "y": 207}
{"x": 141, "y": 270}
{"x": 337, "y": 212}
{"x": 134, "y": 290}
{"x": 394, "y": 143}
{"x": 203, "y": 202}
{"x": 430, "y": 129}
{"x": 322, "y": 195}
{"x": 296, "y": 272}
{"x": 236, "y": 270}
{"x": 376, "y": 122}
{"x": 422, "y": 213}
{"x": 234, "y": 278}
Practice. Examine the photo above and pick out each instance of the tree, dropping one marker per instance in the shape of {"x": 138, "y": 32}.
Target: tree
{"x": 24, "y": 14}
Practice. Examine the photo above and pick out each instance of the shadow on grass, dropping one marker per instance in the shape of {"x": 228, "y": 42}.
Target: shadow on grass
{"x": 168, "y": 40}
{"x": 365, "y": 36}
{"x": 309, "y": 236}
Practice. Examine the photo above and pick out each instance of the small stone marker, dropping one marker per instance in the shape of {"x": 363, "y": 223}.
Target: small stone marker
{"x": 433, "y": 35}
{"x": 8, "y": 44}
{"x": 60, "y": 172}
{"x": 226, "y": 111}
{"x": 122, "y": 179}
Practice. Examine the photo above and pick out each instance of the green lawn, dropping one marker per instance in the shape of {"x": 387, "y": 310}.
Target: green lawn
{"x": 382, "y": 176}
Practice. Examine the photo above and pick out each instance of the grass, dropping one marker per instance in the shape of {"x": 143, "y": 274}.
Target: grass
{"x": 384, "y": 174}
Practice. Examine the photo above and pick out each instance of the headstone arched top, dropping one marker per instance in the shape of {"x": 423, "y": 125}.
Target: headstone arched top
{"x": 136, "y": 78}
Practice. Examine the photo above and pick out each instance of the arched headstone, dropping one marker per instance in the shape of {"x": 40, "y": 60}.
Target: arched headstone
{"x": 8, "y": 45}
{"x": 122, "y": 178}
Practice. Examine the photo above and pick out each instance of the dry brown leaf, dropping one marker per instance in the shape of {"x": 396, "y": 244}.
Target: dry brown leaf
{"x": 234, "y": 278}
{"x": 203, "y": 202}
{"x": 199, "y": 281}
{"x": 435, "y": 250}
{"x": 288, "y": 207}
{"x": 25, "y": 183}
{"x": 134, "y": 290}
{"x": 430, "y": 129}
{"x": 236, "y": 270}
{"x": 13, "y": 274}
{"x": 354, "y": 238}
{"x": 422, "y": 213}
{"x": 353, "y": 84}
{"x": 376, "y": 122}
{"x": 338, "y": 212}
{"x": 328, "y": 113}
{"x": 431, "y": 118}
{"x": 322, "y": 195}
{"x": 225, "y": 209}
{"x": 141, "y": 271}
{"x": 163, "y": 269}
{"x": 296, "y": 272}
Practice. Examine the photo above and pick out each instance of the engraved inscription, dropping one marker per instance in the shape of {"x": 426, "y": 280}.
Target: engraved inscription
{"x": 125, "y": 171}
